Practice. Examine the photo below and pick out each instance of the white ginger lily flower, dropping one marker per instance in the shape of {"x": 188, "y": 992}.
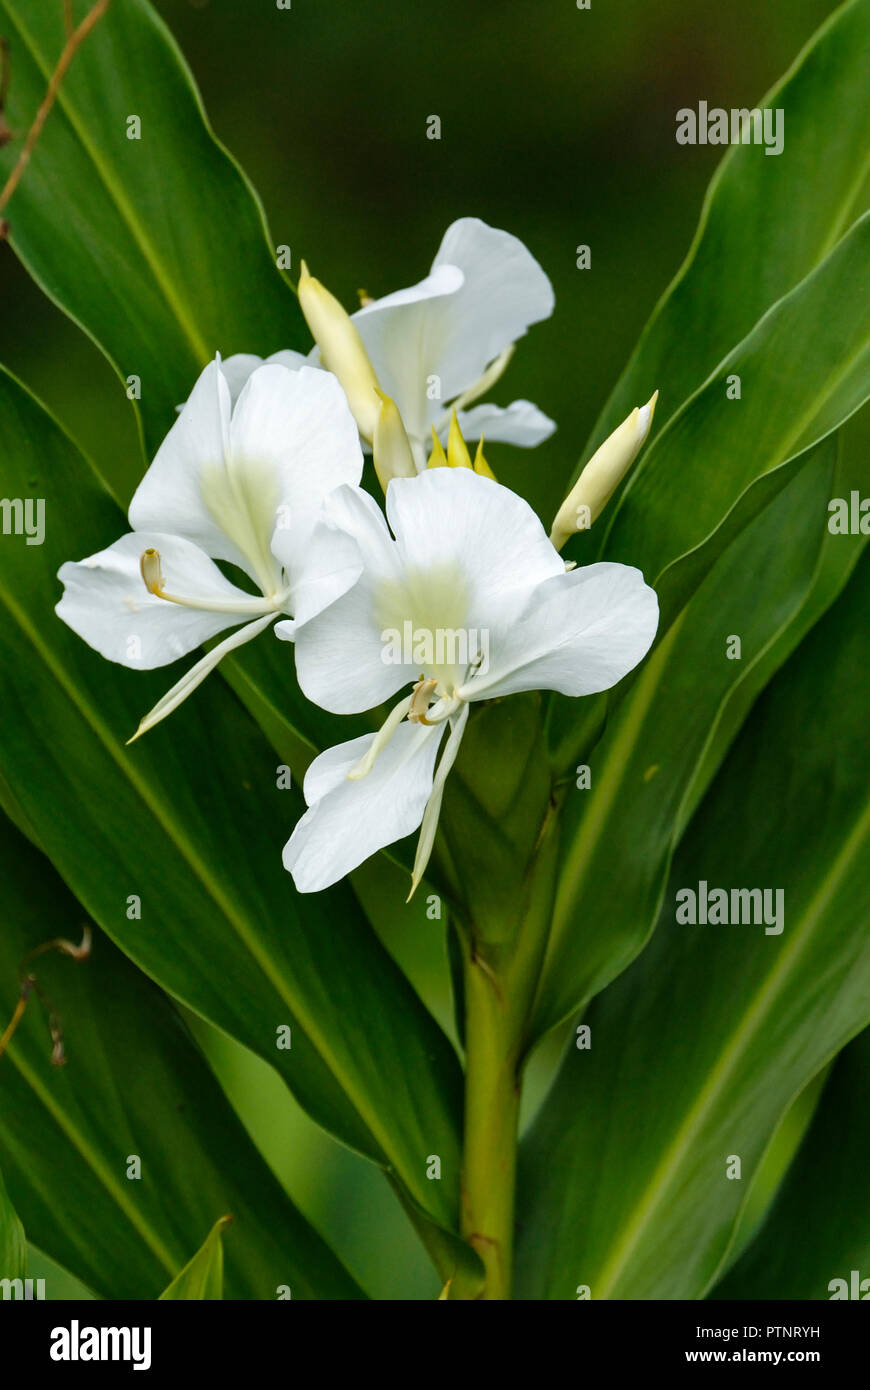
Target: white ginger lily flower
{"x": 442, "y": 343}
{"x": 241, "y": 483}
{"x": 483, "y": 607}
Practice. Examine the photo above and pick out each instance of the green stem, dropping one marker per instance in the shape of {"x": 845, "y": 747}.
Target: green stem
{"x": 492, "y": 1099}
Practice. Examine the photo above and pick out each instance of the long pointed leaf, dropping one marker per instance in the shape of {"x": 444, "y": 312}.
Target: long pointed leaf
{"x": 698, "y": 1050}
{"x": 134, "y": 1086}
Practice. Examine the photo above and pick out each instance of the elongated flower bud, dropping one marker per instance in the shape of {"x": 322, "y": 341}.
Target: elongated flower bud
{"x": 602, "y": 474}
{"x": 392, "y": 452}
{"x": 341, "y": 350}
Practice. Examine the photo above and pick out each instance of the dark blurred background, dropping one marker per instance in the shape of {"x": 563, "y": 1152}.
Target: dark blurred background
{"x": 557, "y": 124}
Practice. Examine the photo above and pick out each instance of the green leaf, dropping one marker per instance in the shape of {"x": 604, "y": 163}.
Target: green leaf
{"x": 618, "y": 836}
{"x": 804, "y": 369}
{"x": 818, "y": 1229}
{"x": 156, "y": 246}
{"x": 766, "y": 222}
{"x": 699, "y": 1049}
{"x": 134, "y": 1084}
{"x": 190, "y": 820}
{"x": 838, "y": 557}
{"x": 203, "y": 1276}
{"x": 13, "y": 1246}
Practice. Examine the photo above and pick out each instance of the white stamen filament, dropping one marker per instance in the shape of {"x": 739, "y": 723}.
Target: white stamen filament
{"x": 381, "y": 739}
{"x": 441, "y": 710}
{"x": 152, "y": 575}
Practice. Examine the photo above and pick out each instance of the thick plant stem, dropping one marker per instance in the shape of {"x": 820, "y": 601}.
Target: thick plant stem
{"x": 492, "y": 1098}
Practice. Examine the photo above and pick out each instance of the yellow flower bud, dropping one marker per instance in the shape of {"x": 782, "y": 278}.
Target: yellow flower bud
{"x": 480, "y": 463}
{"x": 392, "y": 452}
{"x": 341, "y": 350}
{"x": 457, "y": 450}
{"x": 602, "y": 474}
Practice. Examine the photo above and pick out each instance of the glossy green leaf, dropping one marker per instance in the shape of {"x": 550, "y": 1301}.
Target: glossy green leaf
{"x": 134, "y": 1084}
{"x": 190, "y": 821}
{"x": 804, "y": 369}
{"x": 618, "y": 836}
{"x": 838, "y": 557}
{"x": 203, "y": 1275}
{"x": 699, "y": 1049}
{"x": 156, "y": 245}
{"x": 13, "y": 1246}
{"x": 766, "y": 222}
{"x": 818, "y": 1229}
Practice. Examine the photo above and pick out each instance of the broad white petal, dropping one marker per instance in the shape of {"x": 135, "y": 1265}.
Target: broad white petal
{"x": 504, "y": 293}
{"x": 579, "y": 633}
{"x": 320, "y": 564}
{"x": 298, "y": 427}
{"x": 239, "y": 367}
{"x": 521, "y": 423}
{"x": 170, "y": 497}
{"x": 105, "y": 601}
{"x": 224, "y": 479}
{"x": 291, "y": 440}
{"x": 427, "y": 349}
{"x": 403, "y": 338}
{"x": 462, "y": 533}
{"x": 340, "y": 654}
{"x": 347, "y": 821}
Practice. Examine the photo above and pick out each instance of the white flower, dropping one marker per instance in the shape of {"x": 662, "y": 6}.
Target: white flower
{"x": 441, "y": 343}
{"x": 239, "y": 482}
{"x": 469, "y": 571}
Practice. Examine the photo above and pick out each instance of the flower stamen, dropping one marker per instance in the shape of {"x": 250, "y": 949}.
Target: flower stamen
{"x": 151, "y": 570}
{"x": 421, "y": 698}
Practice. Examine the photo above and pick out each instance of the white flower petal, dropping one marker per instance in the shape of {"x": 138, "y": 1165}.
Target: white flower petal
{"x": 520, "y": 423}
{"x": 105, "y": 601}
{"x": 347, "y": 821}
{"x": 432, "y": 332}
{"x": 340, "y": 653}
{"x": 298, "y": 425}
{"x": 170, "y": 496}
{"x": 505, "y": 292}
{"x": 320, "y": 564}
{"x": 223, "y": 479}
{"x": 579, "y": 633}
{"x": 239, "y": 367}
{"x": 460, "y": 530}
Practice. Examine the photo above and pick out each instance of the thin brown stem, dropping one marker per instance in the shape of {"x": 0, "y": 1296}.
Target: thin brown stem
{"x": 74, "y": 41}
{"x": 29, "y": 986}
